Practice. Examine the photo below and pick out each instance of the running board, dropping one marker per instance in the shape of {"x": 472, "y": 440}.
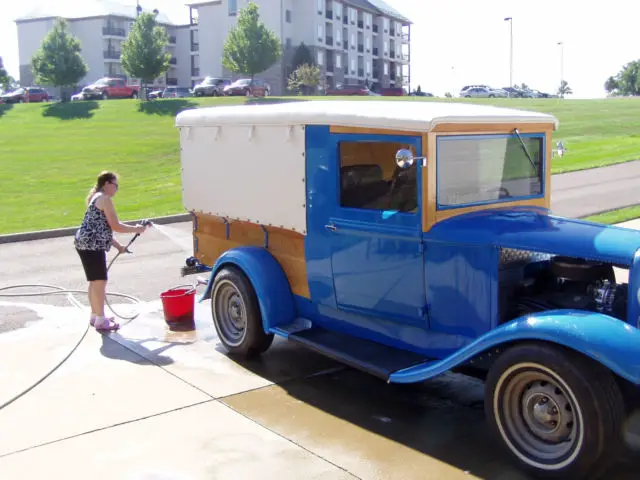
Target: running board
{"x": 371, "y": 357}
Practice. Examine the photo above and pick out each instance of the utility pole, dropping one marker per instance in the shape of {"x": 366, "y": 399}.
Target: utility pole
{"x": 510, "y": 20}
{"x": 561, "y": 44}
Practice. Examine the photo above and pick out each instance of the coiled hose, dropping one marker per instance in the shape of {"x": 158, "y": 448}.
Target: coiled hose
{"x": 56, "y": 290}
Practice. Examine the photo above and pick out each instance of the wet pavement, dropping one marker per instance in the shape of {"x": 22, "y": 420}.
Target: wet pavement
{"x": 150, "y": 403}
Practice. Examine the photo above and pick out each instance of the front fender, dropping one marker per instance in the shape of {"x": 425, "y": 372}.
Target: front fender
{"x": 607, "y": 340}
{"x": 269, "y": 281}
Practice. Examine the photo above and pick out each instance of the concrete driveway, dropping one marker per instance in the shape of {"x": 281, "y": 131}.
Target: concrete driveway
{"x": 148, "y": 403}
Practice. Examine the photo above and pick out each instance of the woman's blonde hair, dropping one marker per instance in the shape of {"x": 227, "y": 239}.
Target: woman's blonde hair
{"x": 103, "y": 178}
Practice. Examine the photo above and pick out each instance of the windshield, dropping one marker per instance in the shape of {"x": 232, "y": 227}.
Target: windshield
{"x": 209, "y": 81}
{"x": 244, "y": 81}
{"x": 102, "y": 81}
{"x": 474, "y": 169}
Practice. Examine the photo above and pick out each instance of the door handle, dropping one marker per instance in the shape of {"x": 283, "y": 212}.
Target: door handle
{"x": 331, "y": 227}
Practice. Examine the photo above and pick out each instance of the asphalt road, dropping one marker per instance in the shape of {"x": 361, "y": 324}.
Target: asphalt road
{"x": 587, "y": 192}
{"x": 335, "y": 421}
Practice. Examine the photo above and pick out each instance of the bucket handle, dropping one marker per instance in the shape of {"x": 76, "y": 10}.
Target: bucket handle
{"x": 191, "y": 290}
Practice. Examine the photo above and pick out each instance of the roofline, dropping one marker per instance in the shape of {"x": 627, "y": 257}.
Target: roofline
{"x": 376, "y": 10}
{"x": 90, "y": 17}
{"x": 203, "y": 3}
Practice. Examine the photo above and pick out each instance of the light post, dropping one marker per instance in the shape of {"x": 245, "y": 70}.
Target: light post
{"x": 510, "y": 20}
{"x": 561, "y": 44}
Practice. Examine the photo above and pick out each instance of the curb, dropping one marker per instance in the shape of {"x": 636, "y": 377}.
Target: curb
{"x": 64, "y": 232}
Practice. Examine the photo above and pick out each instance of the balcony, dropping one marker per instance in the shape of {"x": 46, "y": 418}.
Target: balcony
{"x": 330, "y": 68}
{"x": 360, "y": 48}
{"x": 392, "y": 76}
{"x": 195, "y": 72}
{"x": 361, "y": 72}
{"x": 392, "y": 54}
{"x": 376, "y": 73}
{"x": 173, "y": 61}
{"x": 345, "y": 45}
{"x": 375, "y": 28}
{"x": 392, "y": 32}
{"x": 329, "y": 14}
{"x": 195, "y": 46}
{"x": 172, "y": 39}
{"x": 360, "y": 24}
{"x": 375, "y": 51}
{"x": 405, "y": 37}
{"x": 172, "y": 81}
{"x": 345, "y": 70}
{"x": 345, "y": 20}
{"x": 111, "y": 54}
{"x": 328, "y": 40}
{"x": 113, "y": 32}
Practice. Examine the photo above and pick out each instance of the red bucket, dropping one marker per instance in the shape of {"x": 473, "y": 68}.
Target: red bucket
{"x": 178, "y": 304}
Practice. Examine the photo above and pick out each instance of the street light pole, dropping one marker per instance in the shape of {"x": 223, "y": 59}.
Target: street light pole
{"x": 561, "y": 44}
{"x": 510, "y": 20}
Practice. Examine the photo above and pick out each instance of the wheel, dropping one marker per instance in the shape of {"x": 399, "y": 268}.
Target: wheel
{"x": 236, "y": 315}
{"x": 134, "y": 95}
{"x": 559, "y": 414}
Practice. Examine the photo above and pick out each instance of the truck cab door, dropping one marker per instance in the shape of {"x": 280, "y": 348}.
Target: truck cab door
{"x": 374, "y": 228}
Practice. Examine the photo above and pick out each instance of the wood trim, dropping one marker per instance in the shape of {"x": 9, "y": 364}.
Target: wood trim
{"x": 372, "y": 131}
{"x": 286, "y": 246}
{"x": 488, "y": 128}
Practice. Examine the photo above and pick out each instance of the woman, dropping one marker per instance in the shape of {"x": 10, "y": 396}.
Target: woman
{"x": 94, "y": 239}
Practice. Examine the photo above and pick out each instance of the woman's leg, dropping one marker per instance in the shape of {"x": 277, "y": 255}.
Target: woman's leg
{"x": 97, "y": 289}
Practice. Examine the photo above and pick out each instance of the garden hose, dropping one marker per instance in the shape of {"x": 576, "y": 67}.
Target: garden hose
{"x": 57, "y": 290}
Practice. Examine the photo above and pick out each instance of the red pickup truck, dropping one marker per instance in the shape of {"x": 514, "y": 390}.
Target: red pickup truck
{"x": 106, "y": 88}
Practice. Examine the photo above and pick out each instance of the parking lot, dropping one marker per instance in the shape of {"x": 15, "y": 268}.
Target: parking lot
{"x": 149, "y": 403}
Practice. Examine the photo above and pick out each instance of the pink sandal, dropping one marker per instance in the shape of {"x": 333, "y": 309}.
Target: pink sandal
{"x": 105, "y": 324}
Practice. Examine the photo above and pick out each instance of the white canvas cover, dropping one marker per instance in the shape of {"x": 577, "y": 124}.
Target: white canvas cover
{"x": 246, "y": 172}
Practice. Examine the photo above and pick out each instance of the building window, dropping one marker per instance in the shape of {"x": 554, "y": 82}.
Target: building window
{"x": 385, "y": 24}
{"x": 320, "y": 32}
{"x": 368, "y": 68}
{"x": 353, "y": 65}
{"x": 338, "y": 36}
{"x": 338, "y": 8}
{"x": 287, "y": 16}
{"x": 367, "y": 19}
{"x": 368, "y": 42}
{"x": 338, "y": 61}
{"x": 370, "y": 181}
{"x": 386, "y": 51}
{"x": 353, "y": 40}
{"x": 352, "y": 15}
{"x": 386, "y": 68}
{"x": 233, "y": 7}
{"x": 320, "y": 57}
{"x": 320, "y": 6}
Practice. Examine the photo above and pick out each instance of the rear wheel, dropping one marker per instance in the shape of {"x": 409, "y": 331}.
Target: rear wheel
{"x": 559, "y": 414}
{"x": 236, "y": 315}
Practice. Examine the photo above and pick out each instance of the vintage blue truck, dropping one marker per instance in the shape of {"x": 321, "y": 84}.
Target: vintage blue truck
{"x": 408, "y": 239}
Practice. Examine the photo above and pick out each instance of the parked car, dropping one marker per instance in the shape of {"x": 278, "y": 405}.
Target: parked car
{"x": 244, "y": 86}
{"x": 483, "y": 92}
{"x": 211, "y": 87}
{"x": 350, "y": 90}
{"x": 155, "y": 94}
{"x": 177, "y": 92}
{"x": 351, "y": 235}
{"x": 392, "y": 91}
{"x": 107, "y": 87}
{"x": 26, "y": 94}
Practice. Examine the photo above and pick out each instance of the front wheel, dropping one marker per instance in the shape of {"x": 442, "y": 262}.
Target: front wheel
{"x": 236, "y": 314}
{"x": 559, "y": 414}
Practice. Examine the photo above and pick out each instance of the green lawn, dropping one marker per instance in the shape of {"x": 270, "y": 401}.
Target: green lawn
{"x": 616, "y": 216}
{"x": 50, "y": 154}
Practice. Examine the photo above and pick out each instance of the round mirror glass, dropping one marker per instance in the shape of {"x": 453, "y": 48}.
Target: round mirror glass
{"x": 404, "y": 158}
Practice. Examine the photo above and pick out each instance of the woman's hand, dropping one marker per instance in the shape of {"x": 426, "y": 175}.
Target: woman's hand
{"x": 140, "y": 228}
{"x": 121, "y": 248}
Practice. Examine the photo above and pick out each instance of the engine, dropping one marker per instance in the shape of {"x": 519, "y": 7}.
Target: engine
{"x": 568, "y": 283}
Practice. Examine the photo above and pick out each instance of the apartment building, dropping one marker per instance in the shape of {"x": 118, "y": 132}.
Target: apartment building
{"x": 101, "y": 27}
{"x": 354, "y": 42}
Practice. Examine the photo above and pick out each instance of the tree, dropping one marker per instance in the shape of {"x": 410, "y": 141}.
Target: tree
{"x": 251, "y": 47}
{"x": 58, "y": 61}
{"x": 4, "y": 76}
{"x": 626, "y": 82}
{"x": 419, "y": 90}
{"x": 304, "y": 79}
{"x": 144, "y": 52}
{"x": 302, "y": 56}
{"x": 564, "y": 89}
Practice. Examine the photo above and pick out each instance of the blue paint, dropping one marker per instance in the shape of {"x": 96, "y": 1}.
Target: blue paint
{"x": 542, "y": 168}
{"x": 461, "y": 283}
{"x": 605, "y": 339}
{"x": 268, "y": 279}
{"x": 529, "y": 228}
{"x": 633, "y": 305}
{"x": 372, "y": 262}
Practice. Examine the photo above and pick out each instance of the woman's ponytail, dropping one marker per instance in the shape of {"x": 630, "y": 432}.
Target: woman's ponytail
{"x": 92, "y": 192}
{"x": 103, "y": 178}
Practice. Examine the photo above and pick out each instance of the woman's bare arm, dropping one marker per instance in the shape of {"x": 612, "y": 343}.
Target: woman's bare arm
{"x": 105, "y": 204}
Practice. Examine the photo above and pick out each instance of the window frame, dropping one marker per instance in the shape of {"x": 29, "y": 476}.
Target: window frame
{"x": 542, "y": 168}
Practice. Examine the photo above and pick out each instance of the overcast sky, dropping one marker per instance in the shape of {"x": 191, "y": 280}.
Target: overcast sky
{"x": 459, "y": 42}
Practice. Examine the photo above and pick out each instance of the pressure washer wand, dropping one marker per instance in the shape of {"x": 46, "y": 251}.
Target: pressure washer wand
{"x": 144, "y": 223}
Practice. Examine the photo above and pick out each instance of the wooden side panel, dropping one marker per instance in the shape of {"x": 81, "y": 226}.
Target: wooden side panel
{"x": 285, "y": 245}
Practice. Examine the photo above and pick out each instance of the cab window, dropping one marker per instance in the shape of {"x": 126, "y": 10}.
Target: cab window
{"x": 370, "y": 179}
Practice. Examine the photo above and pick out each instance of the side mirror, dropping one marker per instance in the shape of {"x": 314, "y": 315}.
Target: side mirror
{"x": 405, "y": 158}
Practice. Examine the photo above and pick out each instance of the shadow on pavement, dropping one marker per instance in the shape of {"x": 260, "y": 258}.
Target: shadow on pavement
{"x": 4, "y": 108}
{"x": 165, "y": 107}
{"x": 139, "y": 354}
{"x": 71, "y": 110}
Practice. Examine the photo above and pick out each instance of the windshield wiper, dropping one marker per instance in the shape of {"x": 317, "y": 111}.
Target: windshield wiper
{"x": 524, "y": 148}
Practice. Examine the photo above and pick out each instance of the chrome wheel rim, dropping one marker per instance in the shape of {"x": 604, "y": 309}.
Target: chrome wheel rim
{"x": 230, "y": 313}
{"x": 538, "y": 416}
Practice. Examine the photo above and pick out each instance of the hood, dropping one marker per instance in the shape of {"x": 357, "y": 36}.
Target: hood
{"x": 538, "y": 230}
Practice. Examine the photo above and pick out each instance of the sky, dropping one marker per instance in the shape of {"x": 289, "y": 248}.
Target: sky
{"x": 460, "y": 42}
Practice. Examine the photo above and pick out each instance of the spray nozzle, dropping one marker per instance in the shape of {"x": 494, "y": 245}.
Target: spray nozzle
{"x": 146, "y": 223}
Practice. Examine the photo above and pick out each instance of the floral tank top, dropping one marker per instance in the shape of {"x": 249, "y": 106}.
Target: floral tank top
{"x": 94, "y": 232}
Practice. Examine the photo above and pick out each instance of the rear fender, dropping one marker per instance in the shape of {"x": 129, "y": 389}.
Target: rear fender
{"x": 269, "y": 281}
{"x": 605, "y": 339}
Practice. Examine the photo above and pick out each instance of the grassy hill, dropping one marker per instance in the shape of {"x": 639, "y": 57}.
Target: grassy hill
{"x": 50, "y": 154}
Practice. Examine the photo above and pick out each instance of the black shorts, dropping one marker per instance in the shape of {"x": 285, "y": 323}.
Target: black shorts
{"x": 94, "y": 263}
